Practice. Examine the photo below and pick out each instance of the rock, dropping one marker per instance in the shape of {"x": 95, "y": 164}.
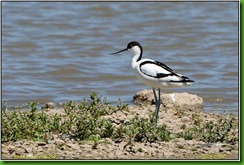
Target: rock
{"x": 51, "y": 141}
{"x": 18, "y": 143}
{"x": 28, "y": 149}
{"x": 39, "y": 149}
{"x": 41, "y": 143}
{"x": 59, "y": 141}
{"x": 184, "y": 100}
{"x": 66, "y": 137}
{"x": 141, "y": 149}
{"x": 19, "y": 151}
{"x": 27, "y": 143}
{"x": 169, "y": 155}
{"x": 180, "y": 140}
{"x": 49, "y": 105}
{"x": 154, "y": 145}
{"x": 74, "y": 146}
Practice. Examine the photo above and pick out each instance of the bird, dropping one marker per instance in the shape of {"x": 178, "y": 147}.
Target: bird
{"x": 153, "y": 73}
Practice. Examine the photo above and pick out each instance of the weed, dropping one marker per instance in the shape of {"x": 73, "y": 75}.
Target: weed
{"x": 180, "y": 146}
{"x": 183, "y": 126}
{"x": 95, "y": 140}
{"x": 143, "y": 130}
{"x": 223, "y": 130}
{"x": 85, "y": 120}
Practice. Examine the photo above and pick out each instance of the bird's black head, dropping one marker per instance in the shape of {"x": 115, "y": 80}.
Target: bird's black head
{"x": 130, "y": 46}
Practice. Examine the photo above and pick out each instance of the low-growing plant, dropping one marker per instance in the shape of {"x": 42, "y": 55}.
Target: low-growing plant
{"x": 23, "y": 125}
{"x": 83, "y": 120}
{"x": 212, "y": 132}
{"x": 87, "y": 120}
{"x": 143, "y": 130}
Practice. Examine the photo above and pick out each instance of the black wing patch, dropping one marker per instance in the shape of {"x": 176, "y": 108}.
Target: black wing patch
{"x": 161, "y": 75}
{"x": 173, "y": 73}
{"x": 184, "y": 80}
{"x": 164, "y": 66}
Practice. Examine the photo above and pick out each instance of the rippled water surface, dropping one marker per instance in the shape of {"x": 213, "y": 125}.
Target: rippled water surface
{"x": 57, "y": 51}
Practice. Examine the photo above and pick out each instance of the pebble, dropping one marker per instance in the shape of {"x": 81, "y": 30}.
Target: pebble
{"x": 49, "y": 105}
{"x": 59, "y": 141}
{"x": 39, "y": 149}
{"x": 205, "y": 149}
{"x": 28, "y": 149}
{"x": 41, "y": 143}
{"x": 141, "y": 149}
{"x": 51, "y": 141}
{"x": 74, "y": 146}
{"x": 18, "y": 143}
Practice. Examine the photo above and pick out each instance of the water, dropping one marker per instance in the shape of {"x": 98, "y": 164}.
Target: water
{"x": 57, "y": 51}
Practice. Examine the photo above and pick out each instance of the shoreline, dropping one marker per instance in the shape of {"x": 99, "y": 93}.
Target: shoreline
{"x": 182, "y": 117}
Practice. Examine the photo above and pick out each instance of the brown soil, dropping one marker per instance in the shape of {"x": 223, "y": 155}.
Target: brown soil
{"x": 180, "y": 109}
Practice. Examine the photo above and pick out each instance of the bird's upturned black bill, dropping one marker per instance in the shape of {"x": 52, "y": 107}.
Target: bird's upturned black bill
{"x": 119, "y": 51}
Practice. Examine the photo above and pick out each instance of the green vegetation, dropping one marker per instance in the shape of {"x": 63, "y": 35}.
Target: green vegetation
{"x": 223, "y": 130}
{"x": 83, "y": 120}
{"x": 88, "y": 120}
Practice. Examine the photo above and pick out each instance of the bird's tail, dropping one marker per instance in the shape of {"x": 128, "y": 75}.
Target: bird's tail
{"x": 186, "y": 80}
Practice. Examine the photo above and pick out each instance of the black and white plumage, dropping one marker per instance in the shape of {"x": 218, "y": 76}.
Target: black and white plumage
{"x": 154, "y": 73}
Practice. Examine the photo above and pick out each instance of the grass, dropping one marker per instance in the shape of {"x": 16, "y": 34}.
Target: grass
{"x": 85, "y": 120}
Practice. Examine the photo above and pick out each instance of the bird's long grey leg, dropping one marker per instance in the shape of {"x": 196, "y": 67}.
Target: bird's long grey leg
{"x": 155, "y": 96}
{"x": 159, "y": 98}
{"x": 156, "y": 103}
{"x": 158, "y": 107}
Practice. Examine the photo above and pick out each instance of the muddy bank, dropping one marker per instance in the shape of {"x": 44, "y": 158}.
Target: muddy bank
{"x": 182, "y": 109}
{"x": 107, "y": 149}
